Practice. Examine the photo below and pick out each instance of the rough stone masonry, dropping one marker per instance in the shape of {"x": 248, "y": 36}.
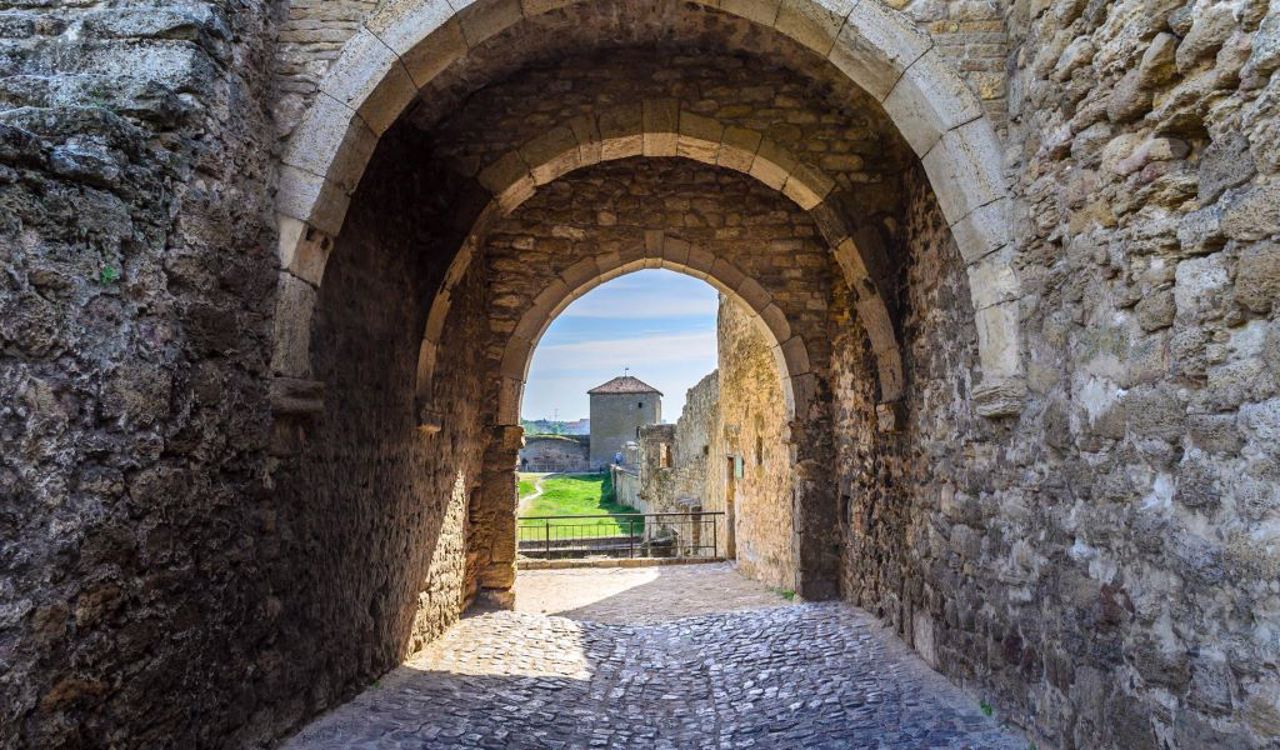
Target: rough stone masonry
{"x": 262, "y": 338}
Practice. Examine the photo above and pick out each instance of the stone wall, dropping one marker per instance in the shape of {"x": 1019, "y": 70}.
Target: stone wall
{"x": 137, "y": 246}
{"x": 554, "y": 453}
{"x": 754, "y": 427}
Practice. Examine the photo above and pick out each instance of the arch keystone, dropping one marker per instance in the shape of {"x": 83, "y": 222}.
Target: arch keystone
{"x": 621, "y": 132}
{"x": 738, "y": 148}
{"x": 700, "y": 138}
{"x": 661, "y": 124}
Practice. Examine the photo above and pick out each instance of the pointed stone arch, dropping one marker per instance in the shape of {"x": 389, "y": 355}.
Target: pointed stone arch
{"x": 405, "y": 44}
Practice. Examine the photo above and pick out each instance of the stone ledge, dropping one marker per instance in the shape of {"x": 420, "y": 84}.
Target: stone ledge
{"x": 296, "y": 396}
{"x": 1000, "y": 399}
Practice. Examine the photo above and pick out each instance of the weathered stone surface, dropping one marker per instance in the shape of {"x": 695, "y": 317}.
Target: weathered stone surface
{"x": 174, "y": 542}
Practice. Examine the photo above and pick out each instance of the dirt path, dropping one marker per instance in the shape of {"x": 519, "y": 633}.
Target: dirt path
{"x": 537, "y": 493}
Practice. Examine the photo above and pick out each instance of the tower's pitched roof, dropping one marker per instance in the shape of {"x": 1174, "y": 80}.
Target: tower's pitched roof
{"x": 623, "y": 384}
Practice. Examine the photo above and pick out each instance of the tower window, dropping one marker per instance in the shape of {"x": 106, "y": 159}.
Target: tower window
{"x": 640, "y": 405}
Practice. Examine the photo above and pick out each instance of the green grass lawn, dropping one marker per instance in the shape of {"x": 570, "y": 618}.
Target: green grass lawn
{"x": 526, "y": 485}
{"x": 582, "y": 495}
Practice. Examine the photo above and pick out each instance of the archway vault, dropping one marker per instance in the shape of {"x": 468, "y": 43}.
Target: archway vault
{"x": 404, "y": 45}
{"x": 661, "y": 129}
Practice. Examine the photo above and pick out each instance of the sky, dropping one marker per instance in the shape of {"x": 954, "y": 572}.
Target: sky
{"x": 660, "y": 323}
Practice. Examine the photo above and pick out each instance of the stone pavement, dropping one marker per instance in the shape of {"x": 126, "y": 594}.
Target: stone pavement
{"x": 779, "y": 675}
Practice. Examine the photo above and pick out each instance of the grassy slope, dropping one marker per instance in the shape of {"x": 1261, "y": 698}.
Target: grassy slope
{"x": 579, "y": 496}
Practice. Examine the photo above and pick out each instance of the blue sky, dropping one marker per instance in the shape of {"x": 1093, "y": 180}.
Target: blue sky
{"x": 660, "y": 323}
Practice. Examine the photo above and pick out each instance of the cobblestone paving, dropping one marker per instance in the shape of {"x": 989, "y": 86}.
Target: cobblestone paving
{"x": 807, "y": 675}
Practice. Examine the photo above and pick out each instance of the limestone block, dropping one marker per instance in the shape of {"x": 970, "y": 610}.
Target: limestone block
{"x": 621, "y": 131}
{"x": 369, "y": 78}
{"x": 753, "y": 294}
{"x": 551, "y": 155}
{"x": 509, "y": 180}
{"x": 772, "y": 165}
{"x": 515, "y": 358}
{"x": 928, "y": 100}
{"x": 984, "y": 230}
{"x": 999, "y": 398}
{"x": 998, "y": 341}
{"x": 428, "y": 58}
{"x": 875, "y": 46}
{"x": 580, "y": 273}
{"x": 675, "y": 250}
{"x": 875, "y": 320}
{"x": 763, "y": 12}
{"x": 964, "y": 169}
{"x": 726, "y": 273}
{"x": 852, "y": 265}
{"x": 403, "y": 24}
{"x": 701, "y": 259}
{"x": 303, "y": 250}
{"x": 311, "y": 199}
{"x": 653, "y": 241}
{"x": 1257, "y": 285}
{"x": 551, "y": 295}
{"x": 813, "y": 24}
{"x": 425, "y": 374}
{"x": 800, "y": 394}
{"x": 992, "y": 280}
{"x": 483, "y": 19}
{"x": 333, "y": 143}
{"x": 807, "y": 185}
{"x": 437, "y": 315}
{"x": 830, "y": 221}
{"x": 700, "y": 138}
{"x": 889, "y": 372}
{"x": 661, "y": 126}
{"x": 1252, "y": 214}
{"x": 291, "y": 350}
{"x": 738, "y": 148}
{"x": 797, "y": 355}
{"x": 776, "y": 321}
{"x": 296, "y": 396}
{"x": 588, "y": 136}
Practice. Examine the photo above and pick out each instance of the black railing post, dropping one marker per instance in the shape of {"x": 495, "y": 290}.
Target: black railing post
{"x": 548, "y": 536}
{"x": 715, "y": 537}
{"x": 631, "y": 536}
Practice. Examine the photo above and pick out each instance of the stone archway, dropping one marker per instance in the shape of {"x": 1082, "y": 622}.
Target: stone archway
{"x": 404, "y": 46}
{"x": 662, "y": 129}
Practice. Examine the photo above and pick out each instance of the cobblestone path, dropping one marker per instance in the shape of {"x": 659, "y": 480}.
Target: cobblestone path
{"x": 806, "y": 675}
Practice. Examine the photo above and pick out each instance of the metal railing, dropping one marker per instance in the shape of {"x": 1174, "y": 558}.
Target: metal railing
{"x": 620, "y": 535}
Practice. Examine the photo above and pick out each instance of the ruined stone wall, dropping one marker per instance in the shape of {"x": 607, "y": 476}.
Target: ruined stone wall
{"x": 136, "y": 238}
{"x": 674, "y": 459}
{"x": 655, "y": 477}
{"x": 553, "y": 453}
{"x": 753, "y": 425}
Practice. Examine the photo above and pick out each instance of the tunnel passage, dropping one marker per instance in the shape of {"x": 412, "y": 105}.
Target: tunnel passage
{"x": 522, "y": 175}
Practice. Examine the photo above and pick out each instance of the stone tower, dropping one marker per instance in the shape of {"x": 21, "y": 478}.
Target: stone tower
{"x": 619, "y": 408}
